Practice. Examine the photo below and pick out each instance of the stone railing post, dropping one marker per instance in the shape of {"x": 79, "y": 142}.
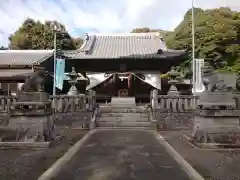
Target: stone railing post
{"x": 151, "y": 96}
{"x": 154, "y": 99}
{"x": 90, "y": 99}
{"x": 9, "y": 104}
{"x": 94, "y": 99}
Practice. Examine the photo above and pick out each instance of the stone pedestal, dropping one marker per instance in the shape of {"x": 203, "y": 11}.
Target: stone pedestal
{"x": 31, "y": 116}
{"x": 216, "y": 127}
{"x": 217, "y": 119}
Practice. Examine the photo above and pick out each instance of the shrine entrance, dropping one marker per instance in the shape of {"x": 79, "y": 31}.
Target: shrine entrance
{"x": 122, "y": 87}
{"x": 134, "y": 61}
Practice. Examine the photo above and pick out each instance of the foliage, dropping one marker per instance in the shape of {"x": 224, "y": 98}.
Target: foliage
{"x": 165, "y": 76}
{"x": 3, "y": 48}
{"x": 36, "y": 35}
{"x": 147, "y": 30}
{"x": 217, "y": 36}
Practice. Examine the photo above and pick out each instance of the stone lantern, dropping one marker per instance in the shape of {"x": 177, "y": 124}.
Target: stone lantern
{"x": 173, "y": 75}
{"x": 75, "y": 79}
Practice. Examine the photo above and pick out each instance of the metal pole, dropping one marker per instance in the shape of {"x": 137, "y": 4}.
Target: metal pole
{"x": 54, "y": 62}
{"x": 193, "y": 53}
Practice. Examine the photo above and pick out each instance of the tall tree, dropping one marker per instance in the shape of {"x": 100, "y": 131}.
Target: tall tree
{"x": 147, "y": 30}
{"x": 3, "y": 48}
{"x": 36, "y": 35}
{"x": 217, "y": 35}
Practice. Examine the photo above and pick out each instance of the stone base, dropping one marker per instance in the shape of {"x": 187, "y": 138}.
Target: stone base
{"x": 33, "y": 128}
{"x": 32, "y": 145}
{"x": 4, "y": 117}
{"x": 223, "y": 130}
{"x": 216, "y": 146}
{"x": 174, "y": 120}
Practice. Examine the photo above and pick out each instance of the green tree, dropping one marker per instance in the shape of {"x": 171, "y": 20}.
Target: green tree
{"x": 36, "y": 35}
{"x": 147, "y": 30}
{"x": 3, "y": 48}
{"x": 217, "y": 33}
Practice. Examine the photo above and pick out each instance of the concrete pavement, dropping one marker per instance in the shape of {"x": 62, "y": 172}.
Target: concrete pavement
{"x": 122, "y": 155}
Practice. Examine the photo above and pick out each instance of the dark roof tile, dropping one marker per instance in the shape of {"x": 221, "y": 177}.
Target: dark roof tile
{"x": 14, "y": 72}
{"x": 116, "y": 46}
{"x": 24, "y": 57}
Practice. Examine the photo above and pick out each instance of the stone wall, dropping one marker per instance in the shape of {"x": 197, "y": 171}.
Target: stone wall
{"x": 176, "y": 112}
{"x": 73, "y": 111}
{"x": 5, "y": 105}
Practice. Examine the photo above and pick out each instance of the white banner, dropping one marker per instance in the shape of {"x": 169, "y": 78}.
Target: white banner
{"x": 199, "y": 84}
{"x": 152, "y": 79}
{"x": 96, "y": 79}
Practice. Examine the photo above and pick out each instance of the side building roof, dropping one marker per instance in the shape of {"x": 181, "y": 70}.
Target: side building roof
{"x": 115, "y": 46}
{"x": 24, "y": 57}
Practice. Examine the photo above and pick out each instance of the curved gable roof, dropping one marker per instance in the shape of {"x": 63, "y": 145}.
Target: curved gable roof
{"x": 24, "y": 57}
{"x": 104, "y": 46}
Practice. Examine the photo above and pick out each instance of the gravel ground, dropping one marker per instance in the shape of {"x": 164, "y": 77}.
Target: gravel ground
{"x": 211, "y": 164}
{"x": 29, "y": 164}
{"x": 122, "y": 155}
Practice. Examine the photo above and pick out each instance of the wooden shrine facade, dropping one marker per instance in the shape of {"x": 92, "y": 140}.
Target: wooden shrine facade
{"x": 99, "y": 53}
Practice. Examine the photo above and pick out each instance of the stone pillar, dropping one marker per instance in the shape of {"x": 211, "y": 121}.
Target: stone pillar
{"x": 91, "y": 99}
{"x": 154, "y": 99}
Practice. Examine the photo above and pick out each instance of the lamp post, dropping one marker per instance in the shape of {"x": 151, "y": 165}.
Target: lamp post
{"x": 193, "y": 53}
{"x": 54, "y": 62}
{"x": 56, "y": 29}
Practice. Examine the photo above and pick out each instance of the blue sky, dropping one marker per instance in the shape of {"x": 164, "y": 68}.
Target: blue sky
{"x": 101, "y": 16}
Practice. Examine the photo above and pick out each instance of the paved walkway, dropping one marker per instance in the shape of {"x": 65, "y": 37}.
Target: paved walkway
{"x": 122, "y": 155}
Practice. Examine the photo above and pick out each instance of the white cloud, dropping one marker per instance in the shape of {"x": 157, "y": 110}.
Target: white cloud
{"x": 101, "y": 15}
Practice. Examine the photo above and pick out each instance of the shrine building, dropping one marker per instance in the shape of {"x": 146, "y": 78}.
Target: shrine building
{"x": 116, "y": 64}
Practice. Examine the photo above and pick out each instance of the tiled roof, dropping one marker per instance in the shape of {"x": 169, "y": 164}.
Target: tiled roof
{"x": 119, "y": 45}
{"x": 24, "y": 57}
{"x": 14, "y": 72}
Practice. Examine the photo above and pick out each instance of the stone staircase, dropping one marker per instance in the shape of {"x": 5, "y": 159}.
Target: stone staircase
{"x": 123, "y": 113}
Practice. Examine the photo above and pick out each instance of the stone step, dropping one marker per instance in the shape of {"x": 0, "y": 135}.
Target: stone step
{"x": 124, "y": 115}
{"x": 110, "y": 109}
{"x": 123, "y": 102}
{"x": 106, "y": 119}
{"x": 135, "y": 128}
{"x": 124, "y": 124}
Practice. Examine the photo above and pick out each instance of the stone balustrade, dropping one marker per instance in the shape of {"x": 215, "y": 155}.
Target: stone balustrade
{"x": 66, "y": 103}
{"x": 181, "y": 103}
{"x": 62, "y": 103}
{"x": 5, "y": 104}
{"x": 69, "y": 110}
{"x": 173, "y": 112}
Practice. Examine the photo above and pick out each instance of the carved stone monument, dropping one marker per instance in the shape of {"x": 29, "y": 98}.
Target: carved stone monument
{"x": 31, "y": 115}
{"x": 217, "y": 119}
